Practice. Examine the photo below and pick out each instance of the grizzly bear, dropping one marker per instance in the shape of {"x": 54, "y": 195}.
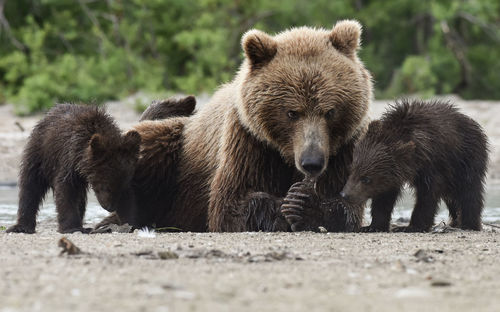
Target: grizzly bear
{"x": 169, "y": 108}
{"x": 71, "y": 147}
{"x": 440, "y": 152}
{"x": 296, "y": 108}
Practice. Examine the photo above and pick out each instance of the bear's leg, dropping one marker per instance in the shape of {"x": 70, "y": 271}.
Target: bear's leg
{"x": 381, "y": 211}
{"x": 32, "y": 188}
{"x": 70, "y": 197}
{"x": 263, "y": 213}
{"x": 470, "y": 205}
{"x": 426, "y": 206}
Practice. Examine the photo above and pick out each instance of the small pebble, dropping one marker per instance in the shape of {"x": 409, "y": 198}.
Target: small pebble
{"x": 440, "y": 284}
{"x": 166, "y": 255}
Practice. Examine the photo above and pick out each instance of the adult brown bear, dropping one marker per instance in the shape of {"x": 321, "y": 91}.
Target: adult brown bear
{"x": 296, "y": 107}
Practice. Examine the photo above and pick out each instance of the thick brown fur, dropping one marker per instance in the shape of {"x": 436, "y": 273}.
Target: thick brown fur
{"x": 71, "y": 147}
{"x": 440, "y": 152}
{"x": 296, "y": 107}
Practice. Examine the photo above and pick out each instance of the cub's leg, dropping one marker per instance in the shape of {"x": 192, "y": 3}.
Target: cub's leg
{"x": 469, "y": 205}
{"x": 454, "y": 210}
{"x": 381, "y": 211}
{"x": 426, "y": 206}
{"x": 32, "y": 188}
{"x": 70, "y": 197}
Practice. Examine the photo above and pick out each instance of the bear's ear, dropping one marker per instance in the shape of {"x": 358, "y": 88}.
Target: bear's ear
{"x": 404, "y": 150}
{"x": 132, "y": 141}
{"x": 259, "y": 47}
{"x": 345, "y": 37}
{"x": 189, "y": 103}
{"x": 97, "y": 145}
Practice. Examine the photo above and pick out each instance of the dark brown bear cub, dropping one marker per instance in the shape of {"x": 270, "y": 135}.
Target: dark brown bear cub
{"x": 72, "y": 147}
{"x": 440, "y": 152}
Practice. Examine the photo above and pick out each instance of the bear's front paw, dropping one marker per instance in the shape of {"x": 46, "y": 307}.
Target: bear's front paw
{"x": 301, "y": 207}
{"x": 21, "y": 228}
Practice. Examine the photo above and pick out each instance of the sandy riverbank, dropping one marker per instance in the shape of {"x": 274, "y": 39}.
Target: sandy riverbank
{"x": 456, "y": 271}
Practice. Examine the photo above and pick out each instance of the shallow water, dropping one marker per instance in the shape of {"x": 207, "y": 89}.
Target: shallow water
{"x": 8, "y": 207}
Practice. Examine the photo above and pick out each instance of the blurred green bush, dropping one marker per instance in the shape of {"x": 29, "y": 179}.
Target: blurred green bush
{"x": 91, "y": 51}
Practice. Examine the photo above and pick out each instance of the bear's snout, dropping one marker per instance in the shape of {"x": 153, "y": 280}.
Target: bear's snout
{"x": 313, "y": 163}
{"x": 311, "y": 147}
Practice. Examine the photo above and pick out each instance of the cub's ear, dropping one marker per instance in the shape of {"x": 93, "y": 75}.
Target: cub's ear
{"x": 404, "y": 150}
{"x": 189, "y": 103}
{"x": 97, "y": 145}
{"x": 345, "y": 37}
{"x": 375, "y": 126}
{"x": 132, "y": 141}
{"x": 259, "y": 47}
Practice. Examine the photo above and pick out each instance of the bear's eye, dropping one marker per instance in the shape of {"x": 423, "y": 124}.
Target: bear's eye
{"x": 293, "y": 115}
{"x": 365, "y": 180}
{"x": 330, "y": 113}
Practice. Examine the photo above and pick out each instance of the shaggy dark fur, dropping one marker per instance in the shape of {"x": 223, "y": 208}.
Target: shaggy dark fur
{"x": 72, "y": 147}
{"x": 440, "y": 152}
{"x": 154, "y": 181}
{"x": 169, "y": 108}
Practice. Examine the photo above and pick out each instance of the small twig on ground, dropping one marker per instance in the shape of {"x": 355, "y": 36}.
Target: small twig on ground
{"x": 18, "y": 124}
{"x": 492, "y": 225}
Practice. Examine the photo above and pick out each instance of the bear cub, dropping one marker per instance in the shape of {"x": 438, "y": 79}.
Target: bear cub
{"x": 71, "y": 147}
{"x": 440, "y": 152}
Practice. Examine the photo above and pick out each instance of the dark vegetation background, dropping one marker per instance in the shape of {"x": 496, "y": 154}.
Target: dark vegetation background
{"x": 97, "y": 50}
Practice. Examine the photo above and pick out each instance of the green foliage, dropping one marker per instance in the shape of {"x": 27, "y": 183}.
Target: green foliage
{"x": 92, "y": 51}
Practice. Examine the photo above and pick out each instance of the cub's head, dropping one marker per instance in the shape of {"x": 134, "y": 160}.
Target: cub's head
{"x": 379, "y": 165}
{"x": 305, "y": 92}
{"x": 112, "y": 163}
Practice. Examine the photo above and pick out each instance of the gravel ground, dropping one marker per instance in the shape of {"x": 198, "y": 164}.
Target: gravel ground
{"x": 455, "y": 271}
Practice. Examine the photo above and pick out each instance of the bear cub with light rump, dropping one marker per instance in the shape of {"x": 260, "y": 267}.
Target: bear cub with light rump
{"x": 440, "y": 152}
{"x": 72, "y": 147}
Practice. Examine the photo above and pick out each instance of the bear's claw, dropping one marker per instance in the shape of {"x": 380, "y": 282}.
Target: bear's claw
{"x": 301, "y": 207}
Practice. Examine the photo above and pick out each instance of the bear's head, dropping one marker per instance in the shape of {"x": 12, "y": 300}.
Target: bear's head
{"x": 380, "y": 164}
{"x": 111, "y": 166}
{"x": 305, "y": 92}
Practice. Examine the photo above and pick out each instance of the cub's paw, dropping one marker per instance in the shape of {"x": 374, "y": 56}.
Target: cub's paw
{"x": 408, "y": 229}
{"x": 371, "y": 229}
{"x": 20, "y": 228}
{"x": 301, "y": 207}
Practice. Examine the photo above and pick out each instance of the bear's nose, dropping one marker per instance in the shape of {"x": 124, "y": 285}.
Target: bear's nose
{"x": 313, "y": 164}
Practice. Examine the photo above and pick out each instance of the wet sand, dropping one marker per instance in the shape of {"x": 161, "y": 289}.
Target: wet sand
{"x": 455, "y": 271}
